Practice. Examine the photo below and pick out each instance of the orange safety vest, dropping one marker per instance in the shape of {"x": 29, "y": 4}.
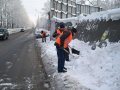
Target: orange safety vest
{"x": 59, "y": 32}
{"x": 66, "y": 42}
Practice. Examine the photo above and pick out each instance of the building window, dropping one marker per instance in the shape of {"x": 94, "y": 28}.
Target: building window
{"x": 59, "y": 6}
{"x": 64, "y": 7}
{"x": 69, "y": 15}
{"x": 55, "y": 5}
{"x": 69, "y": 9}
{"x": 63, "y": 15}
{"x": 52, "y": 4}
{"x": 65, "y": 1}
{"x": 73, "y": 10}
{"x": 69, "y": 2}
{"x": 58, "y": 15}
{"x": 73, "y": 3}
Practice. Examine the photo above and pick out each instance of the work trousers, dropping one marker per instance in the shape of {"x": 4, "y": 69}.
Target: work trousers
{"x": 43, "y": 39}
{"x": 61, "y": 58}
{"x": 67, "y": 54}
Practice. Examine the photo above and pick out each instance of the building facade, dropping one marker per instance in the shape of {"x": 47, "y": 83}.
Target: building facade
{"x": 86, "y": 9}
{"x": 63, "y": 8}
{"x": 68, "y": 8}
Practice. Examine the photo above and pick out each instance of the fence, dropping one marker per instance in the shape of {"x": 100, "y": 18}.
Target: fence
{"x": 93, "y": 30}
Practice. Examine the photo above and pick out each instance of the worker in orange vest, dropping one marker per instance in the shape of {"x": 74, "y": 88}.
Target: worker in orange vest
{"x": 57, "y": 33}
{"x": 43, "y": 35}
{"x": 61, "y": 44}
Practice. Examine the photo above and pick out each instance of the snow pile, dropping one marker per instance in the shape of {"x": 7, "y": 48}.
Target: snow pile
{"x": 15, "y": 30}
{"x": 113, "y": 14}
{"x": 92, "y": 70}
{"x": 73, "y": 20}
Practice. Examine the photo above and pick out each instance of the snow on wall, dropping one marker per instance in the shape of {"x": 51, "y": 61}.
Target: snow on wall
{"x": 73, "y": 20}
{"x": 113, "y": 14}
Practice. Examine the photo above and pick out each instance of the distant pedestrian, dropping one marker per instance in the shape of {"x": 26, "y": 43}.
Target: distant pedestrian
{"x": 58, "y": 32}
{"x": 43, "y": 35}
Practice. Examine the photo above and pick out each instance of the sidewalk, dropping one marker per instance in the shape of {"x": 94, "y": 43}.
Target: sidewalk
{"x": 58, "y": 81}
{"x": 93, "y": 70}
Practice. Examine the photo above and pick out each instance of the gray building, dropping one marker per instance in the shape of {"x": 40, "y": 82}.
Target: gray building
{"x": 86, "y": 9}
{"x": 63, "y": 8}
{"x": 68, "y": 8}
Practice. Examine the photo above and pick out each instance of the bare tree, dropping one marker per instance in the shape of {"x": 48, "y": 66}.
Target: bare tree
{"x": 13, "y": 14}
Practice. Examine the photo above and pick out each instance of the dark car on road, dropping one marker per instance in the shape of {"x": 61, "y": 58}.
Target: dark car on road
{"x": 22, "y": 30}
{"x": 4, "y": 34}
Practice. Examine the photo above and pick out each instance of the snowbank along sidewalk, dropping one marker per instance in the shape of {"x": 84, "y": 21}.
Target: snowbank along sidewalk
{"x": 92, "y": 70}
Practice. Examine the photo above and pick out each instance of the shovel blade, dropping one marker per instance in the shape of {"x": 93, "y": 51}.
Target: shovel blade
{"x": 75, "y": 51}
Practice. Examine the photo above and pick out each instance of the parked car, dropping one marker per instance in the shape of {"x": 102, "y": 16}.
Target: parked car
{"x": 22, "y": 30}
{"x": 4, "y": 34}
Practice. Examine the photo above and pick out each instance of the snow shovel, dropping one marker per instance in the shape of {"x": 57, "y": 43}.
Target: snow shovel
{"x": 74, "y": 51}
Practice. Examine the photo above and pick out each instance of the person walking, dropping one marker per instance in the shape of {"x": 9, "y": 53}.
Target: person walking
{"x": 61, "y": 44}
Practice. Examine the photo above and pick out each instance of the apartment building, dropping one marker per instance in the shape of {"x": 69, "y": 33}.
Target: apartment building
{"x": 69, "y": 8}
{"x": 87, "y": 9}
{"x": 63, "y": 8}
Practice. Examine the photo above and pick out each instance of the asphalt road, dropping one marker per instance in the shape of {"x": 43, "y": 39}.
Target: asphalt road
{"x": 20, "y": 66}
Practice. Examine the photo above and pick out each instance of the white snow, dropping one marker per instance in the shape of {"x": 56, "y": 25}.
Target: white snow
{"x": 64, "y": 3}
{"x": 14, "y": 30}
{"x": 113, "y": 14}
{"x": 92, "y": 70}
{"x": 97, "y": 69}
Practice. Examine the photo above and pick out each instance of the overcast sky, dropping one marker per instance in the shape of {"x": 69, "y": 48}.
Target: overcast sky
{"x": 33, "y": 7}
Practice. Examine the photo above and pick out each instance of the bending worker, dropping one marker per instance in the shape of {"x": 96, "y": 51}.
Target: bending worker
{"x": 43, "y": 34}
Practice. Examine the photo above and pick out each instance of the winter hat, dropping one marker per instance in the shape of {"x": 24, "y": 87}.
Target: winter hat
{"x": 62, "y": 25}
